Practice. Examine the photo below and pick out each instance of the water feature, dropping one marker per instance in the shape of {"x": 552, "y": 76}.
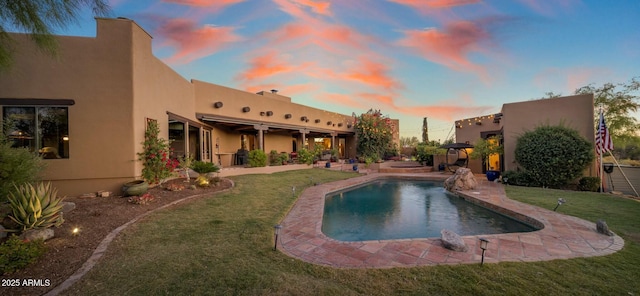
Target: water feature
{"x": 399, "y": 209}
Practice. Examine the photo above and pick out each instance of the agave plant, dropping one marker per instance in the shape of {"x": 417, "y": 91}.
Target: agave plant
{"x": 36, "y": 207}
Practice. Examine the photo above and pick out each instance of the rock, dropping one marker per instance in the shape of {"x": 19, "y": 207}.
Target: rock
{"x": 453, "y": 241}
{"x": 67, "y": 206}
{"x": 3, "y": 233}
{"x": 601, "y": 227}
{"x": 462, "y": 179}
{"x": 35, "y": 234}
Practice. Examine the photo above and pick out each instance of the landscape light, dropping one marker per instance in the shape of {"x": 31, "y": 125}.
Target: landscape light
{"x": 276, "y": 229}
{"x": 560, "y": 201}
{"x": 75, "y": 231}
{"x": 483, "y": 245}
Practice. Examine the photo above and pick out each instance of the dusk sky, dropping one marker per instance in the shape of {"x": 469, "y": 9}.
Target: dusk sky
{"x": 441, "y": 59}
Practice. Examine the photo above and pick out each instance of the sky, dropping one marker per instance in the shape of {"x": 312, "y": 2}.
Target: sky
{"x": 441, "y": 59}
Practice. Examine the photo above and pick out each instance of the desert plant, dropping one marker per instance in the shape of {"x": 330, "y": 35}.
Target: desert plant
{"x": 17, "y": 166}
{"x": 553, "y": 155}
{"x": 185, "y": 163}
{"x": 203, "y": 167}
{"x": 589, "y": 184}
{"x": 16, "y": 254}
{"x": 36, "y": 207}
{"x": 274, "y": 158}
{"x": 305, "y": 156}
{"x": 257, "y": 158}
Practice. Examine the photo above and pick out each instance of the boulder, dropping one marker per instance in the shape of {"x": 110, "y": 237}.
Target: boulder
{"x": 462, "y": 179}
{"x": 35, "y": 234}
{"x": 67, "y": 206}
{"x": 453, "y": 241}
{"x": 601, "y": 227}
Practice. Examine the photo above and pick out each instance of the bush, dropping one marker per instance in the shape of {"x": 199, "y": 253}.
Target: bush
{"x": 305, "y": 156}
{"x": 425, "y": 153}
{"x": 519, "y": 178}
{"x": 16, "y": 254}
{"x": 589, "y": 184}
{"x": 257, "y": 158}
{"x": 274, "y": 158}
{"x": 202, "y": 167}
{"x": 553, "y": 155}
{"x": 17, "y": 166}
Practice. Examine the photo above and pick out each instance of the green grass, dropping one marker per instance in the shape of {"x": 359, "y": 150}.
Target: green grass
{"x": 223, "y": 246}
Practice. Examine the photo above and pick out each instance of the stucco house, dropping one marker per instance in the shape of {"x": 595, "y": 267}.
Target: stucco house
{"x": 575, "y": 112}
{"x": 86, "y": 111}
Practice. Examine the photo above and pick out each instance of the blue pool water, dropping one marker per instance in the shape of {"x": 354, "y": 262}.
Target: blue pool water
{"x": 397, "y": 209}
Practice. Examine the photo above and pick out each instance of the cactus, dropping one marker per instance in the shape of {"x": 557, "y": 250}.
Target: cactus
{"x": 36, "y": 207}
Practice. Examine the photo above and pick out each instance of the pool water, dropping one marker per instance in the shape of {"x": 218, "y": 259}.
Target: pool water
{"x": 398, "y": 209}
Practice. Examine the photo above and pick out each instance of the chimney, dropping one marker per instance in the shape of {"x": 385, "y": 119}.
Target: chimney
{"x": 274, "y": 91}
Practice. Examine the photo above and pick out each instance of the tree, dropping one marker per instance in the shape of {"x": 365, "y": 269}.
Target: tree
{"x": 618, "y": 101}
{"x": 39, "y": 18}
{"x": 375, "y": 135}
{"x": 484, "y": 148}
{"x": 406, "y": 142}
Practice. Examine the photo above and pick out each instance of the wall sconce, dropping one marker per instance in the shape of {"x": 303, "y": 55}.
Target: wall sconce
{"x": 287, "y": 116}
{"x": 65, "y": 138}
{"x": 246, "y": 109}
{"x": 483, "y": 245}
{"x": 303, "y": 118}
{"x": 340, "y": 124}
{"x": 317, "y": 120}
{"x": 262, "y": 113}
{"x": 276, "y": 229}
{"x": 478, "y": 123}
{"x": 349, "y": 125}
{"x": 217, "y": 105}
{"x": 328, "y": 122}
{"x": 269, "y": 113}
{"x": 306, "y": 120}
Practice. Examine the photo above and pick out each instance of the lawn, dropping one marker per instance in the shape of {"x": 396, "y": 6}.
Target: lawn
{"x": 223, "y": 245}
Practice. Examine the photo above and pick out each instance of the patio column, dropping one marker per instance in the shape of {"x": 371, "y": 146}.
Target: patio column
{"x": 333, "y": 140}
{"x": 304, "y": 132}
{"x": 260, "y": 128}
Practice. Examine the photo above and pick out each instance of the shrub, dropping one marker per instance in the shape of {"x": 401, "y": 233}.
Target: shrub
{"x": 375, "y": 135}
{"x": 257, "y": 158}
{"x": 519, "y": 178}
{"x": 35, "y": 207}
{"x": 157, "y": 165}
{"x": 16, "y": 254}
{"x": 305, "y": 156}
{"x": 203, "y": 167}
{"x": 553, "y": 155}
{"x": 274, "y": 158}
{"x": 425, "y": 153}
{"x": 589, "y": 184}
{"x": 17, "y": 166}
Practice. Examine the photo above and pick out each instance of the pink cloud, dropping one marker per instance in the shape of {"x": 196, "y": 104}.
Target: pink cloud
{"x": 193, "y": 42}
{"x": 205, "y": 3}
{"x": 372, "y": 73}
{"x": 430, "y": 4}
{"x": 319, "y": 7}
{"x": 549, "y": 7}
{"x": 265, "y": 65}
{"x": 449, "y": 46}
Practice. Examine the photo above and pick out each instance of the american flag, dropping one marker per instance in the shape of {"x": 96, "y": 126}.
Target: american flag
{"x": 603, "y": 138}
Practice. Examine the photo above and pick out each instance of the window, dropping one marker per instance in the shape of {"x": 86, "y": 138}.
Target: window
{"x": 42, "y": 129}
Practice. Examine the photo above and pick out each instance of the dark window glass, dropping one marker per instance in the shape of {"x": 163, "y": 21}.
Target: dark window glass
{"x": 41, "y": 129}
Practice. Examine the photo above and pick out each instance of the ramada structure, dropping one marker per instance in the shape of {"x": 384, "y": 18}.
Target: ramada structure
{"x": 86, "y": 111}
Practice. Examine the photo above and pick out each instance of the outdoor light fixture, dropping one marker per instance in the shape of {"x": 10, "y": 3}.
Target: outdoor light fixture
{"x": 65, "y": 138}
{"x": 276, "y": 229}
{"x": 340, "y": 124}
{"x": 560, "y": 201}
{"x": 217, "y": 105}
{"x": 262, "y": 113}
{"x": 246, "y": 109}
{"x": 349, "y": 125}
{"x": 303, "y": 118}
{"x": 269, "y": 113}
{"x": 287, "y": 116}
{"x": 483, "y": 245}
{"x": 328, "y": 122}
{"x": 317, "y": 120}
{"x": 293, "y": 190}
{"x": 75, "y": 231}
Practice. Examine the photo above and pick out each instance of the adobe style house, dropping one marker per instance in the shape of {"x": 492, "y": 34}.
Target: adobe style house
{"x": 86, "y": 111}
{"x": 575, "y": 112}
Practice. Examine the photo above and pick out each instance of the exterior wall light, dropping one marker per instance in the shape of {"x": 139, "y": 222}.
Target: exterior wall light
{"x": 217, "y": 105}
{"x": 262, "y": 113}
{"x": 269, "y": 113}
{"x": 317, "y": 120}
{"x": 328, "y": 122}
{"x": 483, "y": 245}
{"x": 276, "y": 229}
{"x": 287, "y": 116}
{"x": 349, "y": 125}
{"x": 303, "y": 118}
{"x": 340, "y": 124}
{"x": 246, "y": 109}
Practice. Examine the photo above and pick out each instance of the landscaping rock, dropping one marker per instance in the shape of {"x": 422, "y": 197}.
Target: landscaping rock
{"x": 3, "y": 233}
{"x": 462, "y": 179}
{"x": 453, "y": 241}
{"x": 601, "y": 227}
{"x": 35, "y": 234}
{"x": 67, "y": 206}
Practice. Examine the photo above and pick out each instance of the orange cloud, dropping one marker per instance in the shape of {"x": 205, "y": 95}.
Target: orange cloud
{"x": 319, "y": 7}
{"x": 427, "y": 4}
{"x": 373, "y": 73}
{"x": 342, "y": 100}
{"x": 450, "y": 46}
{"x": 265, "y": 65}
{"x": 191, "y": 42}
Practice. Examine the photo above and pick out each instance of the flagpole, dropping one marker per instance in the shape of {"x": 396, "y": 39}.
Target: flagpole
{"x": 601, "y": 173}
{"x": 625, "y": 176}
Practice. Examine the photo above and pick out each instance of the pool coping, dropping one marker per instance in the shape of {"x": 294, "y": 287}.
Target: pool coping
{"x": 562, "y": 237}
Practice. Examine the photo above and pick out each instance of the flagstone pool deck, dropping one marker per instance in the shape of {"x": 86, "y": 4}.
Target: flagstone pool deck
{"x": 562, "y": 237}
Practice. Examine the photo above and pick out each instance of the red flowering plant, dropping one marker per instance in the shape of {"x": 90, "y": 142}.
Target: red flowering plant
{"x": 375, "y": 135}
{"x": 155, "y": 156}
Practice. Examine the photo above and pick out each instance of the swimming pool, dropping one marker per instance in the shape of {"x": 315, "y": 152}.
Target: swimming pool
{"x": 399, "y": 209}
